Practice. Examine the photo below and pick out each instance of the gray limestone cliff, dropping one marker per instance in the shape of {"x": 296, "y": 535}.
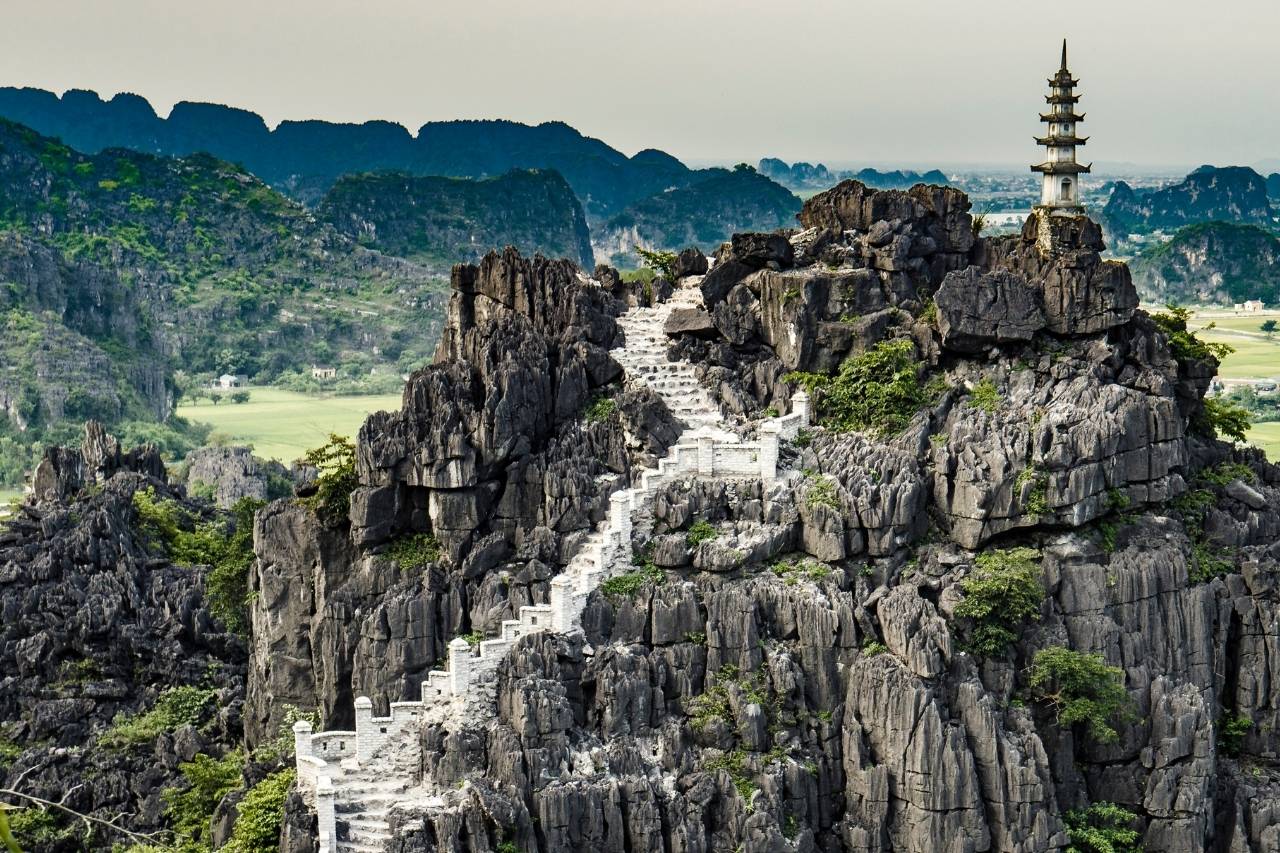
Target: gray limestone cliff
{"x": 791, "y": 668}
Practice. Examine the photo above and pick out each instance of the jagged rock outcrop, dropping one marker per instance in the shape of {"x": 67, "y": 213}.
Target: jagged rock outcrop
{"x": 97, "y": 625}
{"x": 790, "y": 666}
{"x": 229, "y": 474}
{"x": 492, "y": 455}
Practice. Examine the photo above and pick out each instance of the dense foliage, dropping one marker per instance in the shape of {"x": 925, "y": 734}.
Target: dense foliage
{"x": 878, "y": 390}
{"x": 414, "y": 551}
{"x": 1184, "y": 345}
{"x": 261, "y": 813}
{"x": 1081, "y": 688}
{"x": 1001, "y": 594}
{"x": 335, "y": 460}
{"x": 1102, "y": 828}
{"x": 191, "y": 809}
{"x": 224, "y": 545}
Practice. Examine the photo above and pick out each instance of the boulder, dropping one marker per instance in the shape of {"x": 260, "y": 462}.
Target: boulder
{"x": 977, "y": 309}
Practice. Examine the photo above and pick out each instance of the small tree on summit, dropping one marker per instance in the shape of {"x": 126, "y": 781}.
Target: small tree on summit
{"x": 662, "y": 263}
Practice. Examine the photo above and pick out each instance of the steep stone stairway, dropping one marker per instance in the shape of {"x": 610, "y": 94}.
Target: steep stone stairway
{"x": 644, "y": 360}
{"x": 359, "y": 777}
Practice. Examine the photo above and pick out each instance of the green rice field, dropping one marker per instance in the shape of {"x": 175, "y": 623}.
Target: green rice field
{"x": 1256, "y": 356}
{"x": 284, "y": 425}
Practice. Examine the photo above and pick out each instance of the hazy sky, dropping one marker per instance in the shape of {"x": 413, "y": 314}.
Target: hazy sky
{"x": 927, "y": 81}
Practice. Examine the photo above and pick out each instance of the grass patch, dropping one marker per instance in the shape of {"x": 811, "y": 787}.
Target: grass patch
{"x": 986, "y": 396}
{"x": 283, "y": 425}
{"x": 793, "y": 571}
{"x": 600, "y": 409}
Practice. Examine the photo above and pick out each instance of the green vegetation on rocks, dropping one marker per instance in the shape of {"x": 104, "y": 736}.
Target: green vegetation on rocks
{"x": 260, "y": 815}
{"x": 190, "y": 809}
{"x": 878, "y": 390}
{"x": 414, "y": 551}
{"x": 1102, "y": 828}
{"x": 1001, "y": 594}
{"x": 336, "y": 463}
{"x": 1081, "y": 689}
{"x": 175, "y": 707}
{"x": 224, "y": 545}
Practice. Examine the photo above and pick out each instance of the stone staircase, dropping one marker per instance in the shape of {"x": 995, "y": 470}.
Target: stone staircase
{"x": 354, "y": 779}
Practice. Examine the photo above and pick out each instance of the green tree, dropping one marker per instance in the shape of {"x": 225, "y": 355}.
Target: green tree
{"x": 662, "y": 263}
{"x": 336, "y": 462}
{"x": 1102, "y": 828}
{"x": 1001, "y": 594}
{"x": 1268, "y": 327}
{"x": 1081, "y": 688}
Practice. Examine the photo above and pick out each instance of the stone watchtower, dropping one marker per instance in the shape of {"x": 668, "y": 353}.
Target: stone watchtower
{"x": 1060, "y": 187}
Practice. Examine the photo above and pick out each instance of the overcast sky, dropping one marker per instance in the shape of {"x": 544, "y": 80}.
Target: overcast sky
{"x": 929, "y": 81}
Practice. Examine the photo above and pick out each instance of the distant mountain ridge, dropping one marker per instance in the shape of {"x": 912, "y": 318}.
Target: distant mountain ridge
{"x": 120, "y": 268}
{"x": 704, "y": 214}
{"x": 1211, "y": 262}
{"x": 305, "y": 158}
{"x": 454, "y": 221}
{"x": 802, "y": 176}
{"x": 1210, "y": 193}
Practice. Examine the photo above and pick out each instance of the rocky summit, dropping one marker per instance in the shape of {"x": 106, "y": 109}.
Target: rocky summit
{"x": 871, "y": 534}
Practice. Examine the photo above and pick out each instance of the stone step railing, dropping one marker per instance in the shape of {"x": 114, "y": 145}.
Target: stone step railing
{"x": 327, "y": 760}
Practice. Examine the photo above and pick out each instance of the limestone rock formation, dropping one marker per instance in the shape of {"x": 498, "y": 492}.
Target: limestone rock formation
{"x": 97, "y": 626}
{"x": 795, "y": 664}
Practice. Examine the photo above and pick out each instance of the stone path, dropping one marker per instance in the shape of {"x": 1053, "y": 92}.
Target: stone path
{"x": 359, "y": 777}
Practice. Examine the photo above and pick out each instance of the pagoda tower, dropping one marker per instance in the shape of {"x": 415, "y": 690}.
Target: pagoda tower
{"x": 1060, "y": 190}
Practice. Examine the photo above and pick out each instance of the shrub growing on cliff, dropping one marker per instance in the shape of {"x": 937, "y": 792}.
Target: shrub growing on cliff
{"x": 415, "y": 551}
{"x": 228, "y": 582}
{"x": 175, "y": 707}
{"x": 1224, "y": 419}
{"x": 227, "y": 548}
{"x": 878, "y": 390}
{"x": 261, "y": 813}
{"x": 700, "y": 531}
{"x": 336, "y": 462}
{"x": 1081, "y": 688}
{"x": 1102, "y": 828}
{"x": 190, "y": 809}
{"x": 600, "y": 409}
{"x": 985, "y": 396}
{"x": 1184, "y": 345}
{"x": 1001, "y": 594}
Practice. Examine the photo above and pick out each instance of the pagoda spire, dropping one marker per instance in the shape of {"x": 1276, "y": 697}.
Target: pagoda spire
{"x": 1059, "y": 188}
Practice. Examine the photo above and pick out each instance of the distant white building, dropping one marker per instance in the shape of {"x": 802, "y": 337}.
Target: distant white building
{"x": 1253, "y": 306}
{"x": 318, "y": 372}
{"x": 231, "y": 380}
